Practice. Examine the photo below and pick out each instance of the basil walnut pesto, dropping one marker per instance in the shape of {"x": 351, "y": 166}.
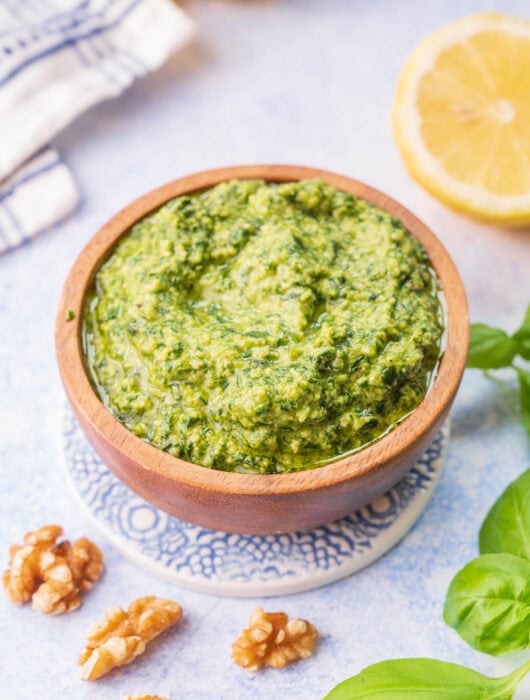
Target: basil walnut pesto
{"x": 264, "y": 328}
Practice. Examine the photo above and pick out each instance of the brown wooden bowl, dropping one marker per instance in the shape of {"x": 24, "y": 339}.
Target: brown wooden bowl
{"x": 247, "y": 503}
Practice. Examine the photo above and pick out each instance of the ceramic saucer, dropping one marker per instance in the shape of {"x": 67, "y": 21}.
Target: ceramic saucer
{"x": 245, "y": 565}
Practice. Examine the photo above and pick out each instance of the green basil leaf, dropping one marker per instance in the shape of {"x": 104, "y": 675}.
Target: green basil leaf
{"x": 489, "y": 348}
{"x": 521, "y": 337}
{"x": 506, "y": 527}
{"x": 524, "y": 395}
{"x": 426, "y": 679}
{"x": 488, "y": 603}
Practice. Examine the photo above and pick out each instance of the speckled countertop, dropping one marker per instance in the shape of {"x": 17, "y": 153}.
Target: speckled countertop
{"x": 288, "y": 81}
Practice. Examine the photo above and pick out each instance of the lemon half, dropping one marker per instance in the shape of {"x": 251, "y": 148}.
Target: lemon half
{"x": 461, "y": 116}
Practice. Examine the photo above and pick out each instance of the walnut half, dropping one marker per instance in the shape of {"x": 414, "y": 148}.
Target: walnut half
{"x": 273, "y": 640}
{"x": 123, "y": 635}
{"x": 51, "y": 574}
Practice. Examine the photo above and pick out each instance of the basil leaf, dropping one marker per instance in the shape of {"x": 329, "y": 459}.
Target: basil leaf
{"x": 426, "y": 679}
{"x": 506, "y": 527}
{"x": 488, "y": 603}
{"x": 489, "y": 348}
{"x": 521, "y": 337}
{"x": 524, "y": 394}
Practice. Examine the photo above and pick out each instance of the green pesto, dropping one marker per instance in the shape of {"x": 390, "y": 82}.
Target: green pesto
{"x": 264, "y": 328}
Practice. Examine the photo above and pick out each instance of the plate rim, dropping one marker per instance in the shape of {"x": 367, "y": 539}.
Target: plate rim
{"x": 289, "y": 585}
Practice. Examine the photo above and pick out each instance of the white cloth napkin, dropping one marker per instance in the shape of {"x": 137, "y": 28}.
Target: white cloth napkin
{"x": 57, "y": 59}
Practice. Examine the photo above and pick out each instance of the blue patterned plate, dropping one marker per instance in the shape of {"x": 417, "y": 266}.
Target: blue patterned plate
{"x": 246, "y": 565}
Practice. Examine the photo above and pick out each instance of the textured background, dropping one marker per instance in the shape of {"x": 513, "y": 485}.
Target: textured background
{"x": 292, "y": 81}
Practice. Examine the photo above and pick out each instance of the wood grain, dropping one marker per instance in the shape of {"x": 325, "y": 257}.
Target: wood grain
{"x": 247, "y": 503}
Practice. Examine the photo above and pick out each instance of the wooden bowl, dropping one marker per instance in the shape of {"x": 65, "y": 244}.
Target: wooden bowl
{"x": 247, "y": 503}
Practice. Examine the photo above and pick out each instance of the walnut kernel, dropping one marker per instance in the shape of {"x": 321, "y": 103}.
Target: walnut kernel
{"x": 123, "y": 635}
{"x": 51, "y": 574}
{"x": 273, "y": 640}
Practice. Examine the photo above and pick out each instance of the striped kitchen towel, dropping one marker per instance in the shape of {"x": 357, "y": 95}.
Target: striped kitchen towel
{"x": 57, "y": 59}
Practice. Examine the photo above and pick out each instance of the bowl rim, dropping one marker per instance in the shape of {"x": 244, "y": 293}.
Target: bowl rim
{"x": 394, "y": 445}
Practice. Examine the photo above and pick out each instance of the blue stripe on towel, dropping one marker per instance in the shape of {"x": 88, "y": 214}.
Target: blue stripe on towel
{"x": 92, "y": 57}
{"x": 68, "y": 42}
{"x": 122, "y": 57}
{"x": 63, "y": 21}
{"x": 26, "y": 178}
{"x": 53, "y": 15}
{"x": 14, "y": 222}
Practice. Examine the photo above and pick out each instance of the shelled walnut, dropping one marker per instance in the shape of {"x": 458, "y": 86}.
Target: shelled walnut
{"x": 123, "y": 635}
{"x": 273, "y": 640}
{"x": 51, "y": 574}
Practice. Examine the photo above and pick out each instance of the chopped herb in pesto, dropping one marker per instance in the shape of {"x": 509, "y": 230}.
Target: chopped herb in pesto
{"x": 70, "y": 315}
{"x": 264, "y": 328}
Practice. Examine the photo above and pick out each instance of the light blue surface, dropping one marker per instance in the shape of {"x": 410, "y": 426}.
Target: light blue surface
{"x": 302, "y": 81}
{"x": 244, "y": 565}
